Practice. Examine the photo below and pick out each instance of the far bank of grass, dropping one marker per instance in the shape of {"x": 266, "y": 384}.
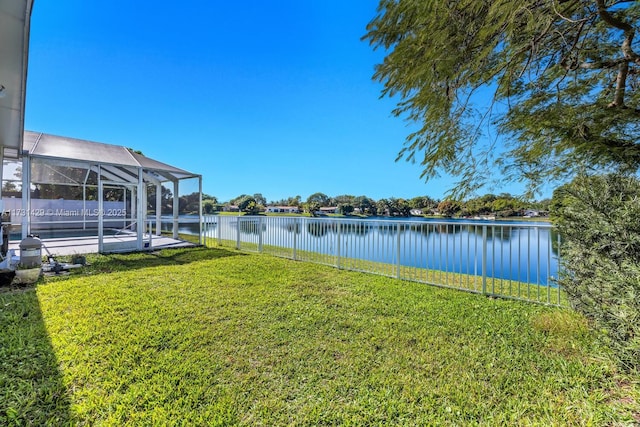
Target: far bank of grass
{"x": 217, "y": 337}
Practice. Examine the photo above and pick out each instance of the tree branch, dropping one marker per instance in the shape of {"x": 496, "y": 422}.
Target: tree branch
{"x": 621, "y": 83}
{"x": 610, "y": 19}
{"x": 565, "y": 18}
{"x": 627, "y": 51}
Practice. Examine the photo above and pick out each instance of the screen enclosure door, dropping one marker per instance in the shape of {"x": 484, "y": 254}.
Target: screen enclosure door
{"x": 119, "y": 227}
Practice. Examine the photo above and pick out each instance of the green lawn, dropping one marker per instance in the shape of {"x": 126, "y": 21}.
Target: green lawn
{"x": 217, "y": 337}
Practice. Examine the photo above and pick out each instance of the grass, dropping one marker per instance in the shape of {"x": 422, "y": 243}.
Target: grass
{"x": 217, "y": 337}
{"x": 546, "y": 294}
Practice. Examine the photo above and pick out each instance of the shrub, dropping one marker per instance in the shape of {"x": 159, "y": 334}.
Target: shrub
{"x": 208, "y": 206}
{"x": 599, "y": 220}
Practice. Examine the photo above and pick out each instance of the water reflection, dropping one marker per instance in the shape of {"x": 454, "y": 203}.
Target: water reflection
{"x": 513, "y": 251}
{"x": 392, "y": 229}
{"x": 319, "y": 229}
{"x": 357, "y": 229}
{"x": 251, "y": 226}
{"x": 292, "y": 227}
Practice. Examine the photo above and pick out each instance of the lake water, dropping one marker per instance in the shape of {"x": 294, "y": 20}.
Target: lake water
{"x": 519, "y": 251}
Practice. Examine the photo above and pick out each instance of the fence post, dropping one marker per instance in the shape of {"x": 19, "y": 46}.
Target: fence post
{"x": 398, "y": 250}
{"x": 238, "y": 233}
{"x": 484, "y": 259}
{"x": 559, "y": 261}
{"x": 538, "y": 281}
{"x": 219, "y": 226}
{"x": 296, "y": 222}
{"x": 549, "y": 279}
{"x": 337, "y": 244}
{"x": 260, "y": 234}
{"x": 203, "y": 231}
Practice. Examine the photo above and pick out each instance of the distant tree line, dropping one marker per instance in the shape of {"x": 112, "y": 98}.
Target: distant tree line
{"x": 502, "y": 205}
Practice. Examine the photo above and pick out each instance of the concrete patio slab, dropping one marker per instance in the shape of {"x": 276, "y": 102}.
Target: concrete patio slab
{"x": 89, "y": 245}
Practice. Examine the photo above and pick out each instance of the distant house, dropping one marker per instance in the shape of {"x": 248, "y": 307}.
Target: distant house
{"x": 416, "y": 212}
{"x": 328, "y": 210}
{"x": 283, "y": 209}
{"x": 532, "y": 213}
{"x": 231, "y": 208}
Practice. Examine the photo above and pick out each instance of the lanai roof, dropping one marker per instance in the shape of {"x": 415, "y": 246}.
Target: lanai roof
{"x": 117, "y": 161}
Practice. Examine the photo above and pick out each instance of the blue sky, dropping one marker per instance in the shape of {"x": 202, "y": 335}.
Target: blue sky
{"x": 271, "y": 97}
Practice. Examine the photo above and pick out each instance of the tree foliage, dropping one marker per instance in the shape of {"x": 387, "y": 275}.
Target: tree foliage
{"x": 289, "y": 201}
{"x": 248, "y": 205}
{"x": 366, "y": 205}
{"x": 209, "y": 197}
{"x": 393, "y": 207}
{"x": 188, "y": 203}
{"x": 561, "y": 77}
{"x": 598, "y": 219}
{"x": 260, "y": 199}
{"x": 313, "y": 207}
{"x": 345, "y": 208}
{"x": 501, "y": 205}
{"x": 320, "y": 198}
{"x": 423, "y": 202}
{"x": 448, "y": 208}
{"x": 208, "y": 207}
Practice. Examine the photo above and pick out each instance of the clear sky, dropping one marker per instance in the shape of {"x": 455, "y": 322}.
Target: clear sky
{"x": 271, "y": 97}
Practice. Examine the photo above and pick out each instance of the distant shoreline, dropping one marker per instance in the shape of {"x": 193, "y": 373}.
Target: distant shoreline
{"x": 377, "y": 217}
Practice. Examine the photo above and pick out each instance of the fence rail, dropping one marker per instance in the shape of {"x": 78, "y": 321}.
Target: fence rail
{"x": 499, "y": 259}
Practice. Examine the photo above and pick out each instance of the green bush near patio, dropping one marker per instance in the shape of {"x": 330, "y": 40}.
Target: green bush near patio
{"x": 598, "y": 219}
{"x": 217, "y": 337}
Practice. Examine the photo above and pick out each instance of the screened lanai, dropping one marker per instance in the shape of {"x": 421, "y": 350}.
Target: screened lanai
{"x": 65, "y": 187}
